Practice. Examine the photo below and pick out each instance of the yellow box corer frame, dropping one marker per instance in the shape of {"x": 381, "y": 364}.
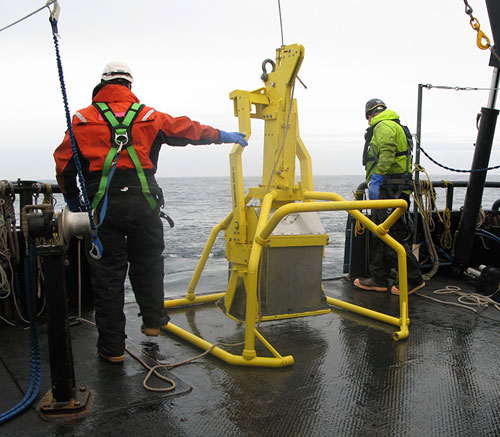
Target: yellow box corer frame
{"x": 275, "y": 104}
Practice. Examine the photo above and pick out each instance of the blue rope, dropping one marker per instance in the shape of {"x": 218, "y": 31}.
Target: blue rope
{"x": 483, "y": 233}
{"x": 102, "y": 213}
{"x": 35, "y": 368}
{"x": 86, "y": 202}
{"x": 454, "y": 169}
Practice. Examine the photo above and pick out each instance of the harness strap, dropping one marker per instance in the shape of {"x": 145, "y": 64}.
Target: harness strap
{"x": 142, "y": 178}
{"x": 372, "y": 158}
{"x": 121, "y": 137}
{"x": 104, "y": 178}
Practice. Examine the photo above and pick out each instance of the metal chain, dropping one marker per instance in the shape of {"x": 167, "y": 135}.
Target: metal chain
{"x": 474, "y": 22}
{"x": 474, "y": 170}
{"x": 483, "y": 42}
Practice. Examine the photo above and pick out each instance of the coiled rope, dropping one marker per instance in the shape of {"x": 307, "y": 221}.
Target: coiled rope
{"x": 9, "y": 246}
{"x": 153, "y": 370}
{"x": 474, "y": 302}
{"x": 425, "y": 206}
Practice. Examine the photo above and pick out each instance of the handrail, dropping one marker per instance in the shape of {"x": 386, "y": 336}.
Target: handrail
{"x": 336, "y": 203}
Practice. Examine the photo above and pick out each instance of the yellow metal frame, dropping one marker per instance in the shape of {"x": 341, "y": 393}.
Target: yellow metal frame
{"x": 279, "y": 196}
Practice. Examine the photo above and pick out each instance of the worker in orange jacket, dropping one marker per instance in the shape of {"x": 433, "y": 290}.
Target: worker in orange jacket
{"x": 118, "y": 142}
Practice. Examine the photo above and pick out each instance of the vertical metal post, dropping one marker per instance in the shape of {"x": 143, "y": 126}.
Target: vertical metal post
{"x": 475, "y": 187}
{"x": 449, "y": 196}
{"x": 417, "y": 158}
{"x": 63, "y": 400}
{"x": 492, "y": 99}
{"x": 61, "y": 356}
{"x": 474, "y": 194}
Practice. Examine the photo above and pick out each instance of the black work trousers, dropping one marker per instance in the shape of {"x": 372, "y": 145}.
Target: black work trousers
{"x": 132, "y": 238}
{"x": 382, "y": 257}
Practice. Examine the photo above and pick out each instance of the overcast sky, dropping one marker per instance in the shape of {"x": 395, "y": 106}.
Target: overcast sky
{"x": 188, "y": 55}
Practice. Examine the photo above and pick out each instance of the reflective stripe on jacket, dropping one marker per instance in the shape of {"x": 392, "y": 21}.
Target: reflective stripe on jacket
{"x": 388, "y": 140}
{"x": 150, "y": 130}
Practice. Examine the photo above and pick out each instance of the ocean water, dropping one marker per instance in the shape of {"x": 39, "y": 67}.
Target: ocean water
{"x": 197, "y": 204}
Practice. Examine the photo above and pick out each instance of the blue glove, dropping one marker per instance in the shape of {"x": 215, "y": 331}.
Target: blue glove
{"x": 233, "y": 137}
{"x": 374, "y": 186}
{"x": 73, "y": 204}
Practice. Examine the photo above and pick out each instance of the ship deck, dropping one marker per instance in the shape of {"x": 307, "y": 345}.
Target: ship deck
{"x": 349, "y": 377}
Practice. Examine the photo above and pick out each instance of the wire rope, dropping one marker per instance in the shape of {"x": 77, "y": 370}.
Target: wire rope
{"x": 29, "y": 15}
{"x": 283, "y": 142}
{"x": 281, "y": 23}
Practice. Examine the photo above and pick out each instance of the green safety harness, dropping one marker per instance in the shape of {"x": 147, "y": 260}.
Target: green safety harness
{"x": 121, "y": 136}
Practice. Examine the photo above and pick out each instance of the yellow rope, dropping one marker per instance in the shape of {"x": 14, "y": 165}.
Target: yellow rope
{"x": 425, "y": 209}
{"x": 446, "y": 239}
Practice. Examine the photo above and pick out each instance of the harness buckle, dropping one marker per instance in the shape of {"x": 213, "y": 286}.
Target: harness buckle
{"x": 121, "y": 139}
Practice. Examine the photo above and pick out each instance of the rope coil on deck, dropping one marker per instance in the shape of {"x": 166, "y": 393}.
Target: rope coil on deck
{"x": 474, "y": 302}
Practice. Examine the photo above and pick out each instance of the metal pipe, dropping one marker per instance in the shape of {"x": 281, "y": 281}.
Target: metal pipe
{"x": 252, "y": 305}
{"x": 352, "y": 207}
{"x": 363, "y": 311}
{"x": 205, "y": 254}
{"x": 61, "y": 357}
{"x": 474, "y": 194}
{"x": 229, "y": 358}
{"x": 417, "y": 157}
{"x": 194, "y": 300}
{"x": 492, "y": 98}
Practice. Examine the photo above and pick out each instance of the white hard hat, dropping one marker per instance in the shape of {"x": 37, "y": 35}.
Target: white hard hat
{"x": 117, "y": 70}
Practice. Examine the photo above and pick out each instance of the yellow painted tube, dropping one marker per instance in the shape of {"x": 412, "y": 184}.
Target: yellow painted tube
{"x": 196, "y": 300}
{"x": 231, "y": 290}
{"x": 364, "y": 311}
{"x": 237, "y": 190}
{"x": 223, "y": 225}
{"x": 229, "y": 358}
{"x": 336, "y": 202}
{"x": 204, "y": 256}
{"x": 292, "y": 208}
{"x": 305, "y": 165}
{"x": 405, "y": 320}
{"x": 252, "y": 305}
{"x": 267, "y": 344}
{"x": 293, "y": 315}
{"x": 379, "y": 230}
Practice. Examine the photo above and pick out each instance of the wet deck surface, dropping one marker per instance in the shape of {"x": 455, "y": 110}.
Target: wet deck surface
{"x": 349, "y": 378}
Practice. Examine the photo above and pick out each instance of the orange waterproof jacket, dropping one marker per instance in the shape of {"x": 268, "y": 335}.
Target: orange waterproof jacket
{"x": 150, "y": 130}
